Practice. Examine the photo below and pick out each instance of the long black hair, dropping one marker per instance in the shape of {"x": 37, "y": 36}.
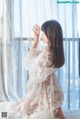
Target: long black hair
{"x": 53, "y": 30}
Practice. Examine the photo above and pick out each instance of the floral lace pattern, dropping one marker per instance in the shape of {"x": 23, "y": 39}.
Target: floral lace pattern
{"x": 44, "y": 92}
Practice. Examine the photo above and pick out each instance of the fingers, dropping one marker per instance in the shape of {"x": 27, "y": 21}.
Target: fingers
{"x": 36, "y": 29}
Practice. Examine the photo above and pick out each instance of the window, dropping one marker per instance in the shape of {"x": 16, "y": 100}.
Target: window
{"x": 26, "y": 13}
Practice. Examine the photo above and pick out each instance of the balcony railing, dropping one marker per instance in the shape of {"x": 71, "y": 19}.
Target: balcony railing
{"x": 68, "y": 75}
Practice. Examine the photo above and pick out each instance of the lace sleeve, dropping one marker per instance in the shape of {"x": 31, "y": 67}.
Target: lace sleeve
{"x": 38, "y": 75}
{"x": 43, "y": 70}
{"x": 28, "y": 62}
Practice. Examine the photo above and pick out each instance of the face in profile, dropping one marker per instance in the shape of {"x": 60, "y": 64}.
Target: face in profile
{"x": 44, "y": 37}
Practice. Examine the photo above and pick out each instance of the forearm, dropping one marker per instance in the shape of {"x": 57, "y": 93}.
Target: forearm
{"x": 35, "y": 43}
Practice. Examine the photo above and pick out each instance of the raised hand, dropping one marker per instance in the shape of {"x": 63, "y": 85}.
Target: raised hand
{"x": 36, "y": 30}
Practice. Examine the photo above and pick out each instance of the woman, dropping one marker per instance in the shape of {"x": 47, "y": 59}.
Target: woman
{"x": 44, "y": 95}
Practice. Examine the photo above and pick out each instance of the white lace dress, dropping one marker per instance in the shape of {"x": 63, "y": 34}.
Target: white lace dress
{"x": 44, "y": 94}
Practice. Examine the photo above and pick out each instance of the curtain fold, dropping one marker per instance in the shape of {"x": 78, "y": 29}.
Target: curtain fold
{"x": 6, "y": 46}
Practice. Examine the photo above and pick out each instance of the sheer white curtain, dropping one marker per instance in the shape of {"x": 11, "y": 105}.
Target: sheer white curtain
{"x": 18, "y": 20}
{"x": 6, "y": 48}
